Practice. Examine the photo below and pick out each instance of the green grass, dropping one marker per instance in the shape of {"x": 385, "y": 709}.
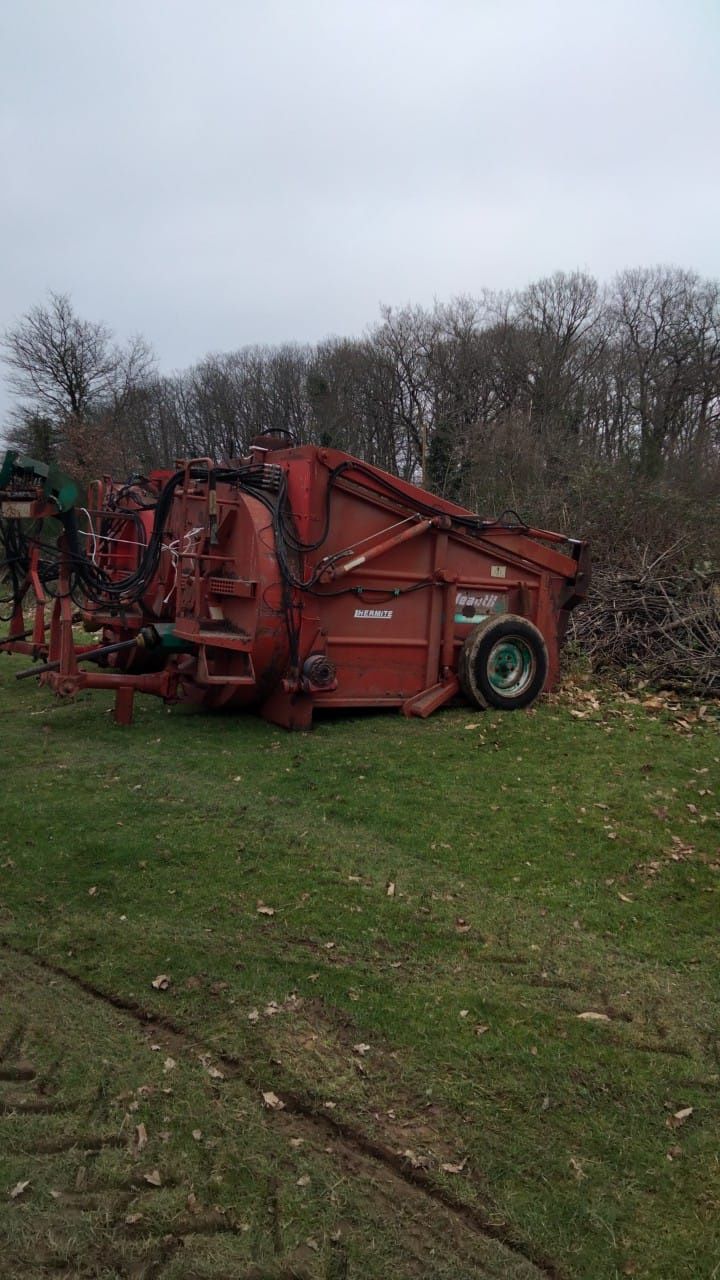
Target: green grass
{"x": 543, "y": 866}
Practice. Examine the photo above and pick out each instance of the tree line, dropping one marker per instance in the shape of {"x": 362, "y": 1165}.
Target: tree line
{"x": 592, "y": 407}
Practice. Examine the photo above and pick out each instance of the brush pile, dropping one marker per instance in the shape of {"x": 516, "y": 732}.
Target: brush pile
{"x": 659, "y": 624}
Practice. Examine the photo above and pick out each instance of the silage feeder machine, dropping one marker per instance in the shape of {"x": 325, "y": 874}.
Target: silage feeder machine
{"x": 290, "y": 580}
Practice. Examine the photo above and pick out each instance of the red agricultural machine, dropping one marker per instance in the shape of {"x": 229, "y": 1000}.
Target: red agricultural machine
{"x": 288, "y": 580}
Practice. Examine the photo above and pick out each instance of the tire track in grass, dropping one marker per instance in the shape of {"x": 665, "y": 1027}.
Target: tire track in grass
{"x": 308, "y": 1112}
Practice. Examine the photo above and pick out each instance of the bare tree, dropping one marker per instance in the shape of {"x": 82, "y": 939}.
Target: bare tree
{"x": 69, "y": 375}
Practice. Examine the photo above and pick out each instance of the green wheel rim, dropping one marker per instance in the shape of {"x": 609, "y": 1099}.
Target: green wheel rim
{"x": 511, "y": 666}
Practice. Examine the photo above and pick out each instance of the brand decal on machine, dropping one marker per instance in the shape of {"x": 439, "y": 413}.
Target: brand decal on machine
{"x": 475, "y": 606}
{"x": 383, "y": 614}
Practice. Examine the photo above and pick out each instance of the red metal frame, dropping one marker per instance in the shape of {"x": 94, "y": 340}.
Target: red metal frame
{"x": 380, "y": 626}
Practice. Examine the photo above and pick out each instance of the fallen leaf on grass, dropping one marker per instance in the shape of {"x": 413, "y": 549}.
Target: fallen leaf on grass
{"x": 272, "y": 1101}
{"x": 169, "y": 1064}
{"x": 673, "y": 1153}
{"x": 253, "y": 1016}
{"x": 162, "y": 982}
{"x": 454, "y": 1168}
{"x": 197, "y": 1134}
{"x": 592, "y": 1016}
{"x": 390, "y": 889}
{"x": 140, "y": 1137}
{"x": 132, "y": 1218}
{"x": 152, "y": 1177}
{"x": 577, "y": 1169}
{"x": 304, "y": 1181}
{"x": 262, "y": 910}
{"x": 624, "y": 897}
{"x": 92, "y": 891}
{"x": 416, "y": 1161}
{"x": 361, "y": 1048}
{"x": 462, "y": 926}
{"x": 296, "y": 1142}
{"x": 214, "y": 1073}
{"x": 679, "y": 1117}
{"x": 481, "y": 1028}
{"x": 19, "y": 1188}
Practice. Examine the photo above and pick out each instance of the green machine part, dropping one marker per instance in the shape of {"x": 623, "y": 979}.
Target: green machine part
{"x": 56, "y": 486}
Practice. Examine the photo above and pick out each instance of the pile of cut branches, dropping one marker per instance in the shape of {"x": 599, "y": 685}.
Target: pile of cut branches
{"x": 659, "y": 623}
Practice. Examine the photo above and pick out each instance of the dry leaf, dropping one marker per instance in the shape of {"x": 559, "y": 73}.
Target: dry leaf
{"x": 593, "y": 1016}
{"x": 169, "y": 1064}
{"x": 674, "y": 1121}
{"x": 197, "y": 1134}
{"x": 192, "y": 1203}
{"x": 253, "y": 1016}
{"x": 624, "y": 897}
{"x": 417, "y": 1162}
{"x": 464, "y": 1013}
{"x": 481, "y": 1028}
{"x": 296, "y": 1142}
{"x": 454, "y": 1168}
{"x": 272, "y": 1101}
{"x": 92, "y": 891}
{"x": 390, "y": 889}
{"x": 361, "y": 1048}
{"x": 577, "y": 1169}
{"x": 214, "y": 1073}
{"x": 132, "y": 1218}
{"x": 304, "y": 1181}
{"x": 152, "y": 1177}
{"x": 162, "y": 982}
{"x": 462, "y": 926}
{"x": 19, "y": 1188}
{"x": 262, "y": 910}
{"x": 140, "y": 1137}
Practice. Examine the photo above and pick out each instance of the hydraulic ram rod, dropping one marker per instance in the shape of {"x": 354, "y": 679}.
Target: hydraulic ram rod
{"x": 90, "y": 656}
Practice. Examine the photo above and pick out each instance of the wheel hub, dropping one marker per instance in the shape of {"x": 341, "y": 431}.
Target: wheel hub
{"x": 511, "y": 666}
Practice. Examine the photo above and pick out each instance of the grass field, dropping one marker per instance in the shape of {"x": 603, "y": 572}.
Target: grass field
{"x": 367, "y": 1052}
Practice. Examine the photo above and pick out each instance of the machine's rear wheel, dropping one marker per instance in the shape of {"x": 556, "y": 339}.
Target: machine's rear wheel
{"x": 503, "y": 663}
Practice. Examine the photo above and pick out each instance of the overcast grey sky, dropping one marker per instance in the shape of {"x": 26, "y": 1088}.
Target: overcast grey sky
{"x": 212, "y": 173}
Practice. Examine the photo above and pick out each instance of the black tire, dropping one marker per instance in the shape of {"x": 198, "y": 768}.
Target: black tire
{"x": 503, "y": 663}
